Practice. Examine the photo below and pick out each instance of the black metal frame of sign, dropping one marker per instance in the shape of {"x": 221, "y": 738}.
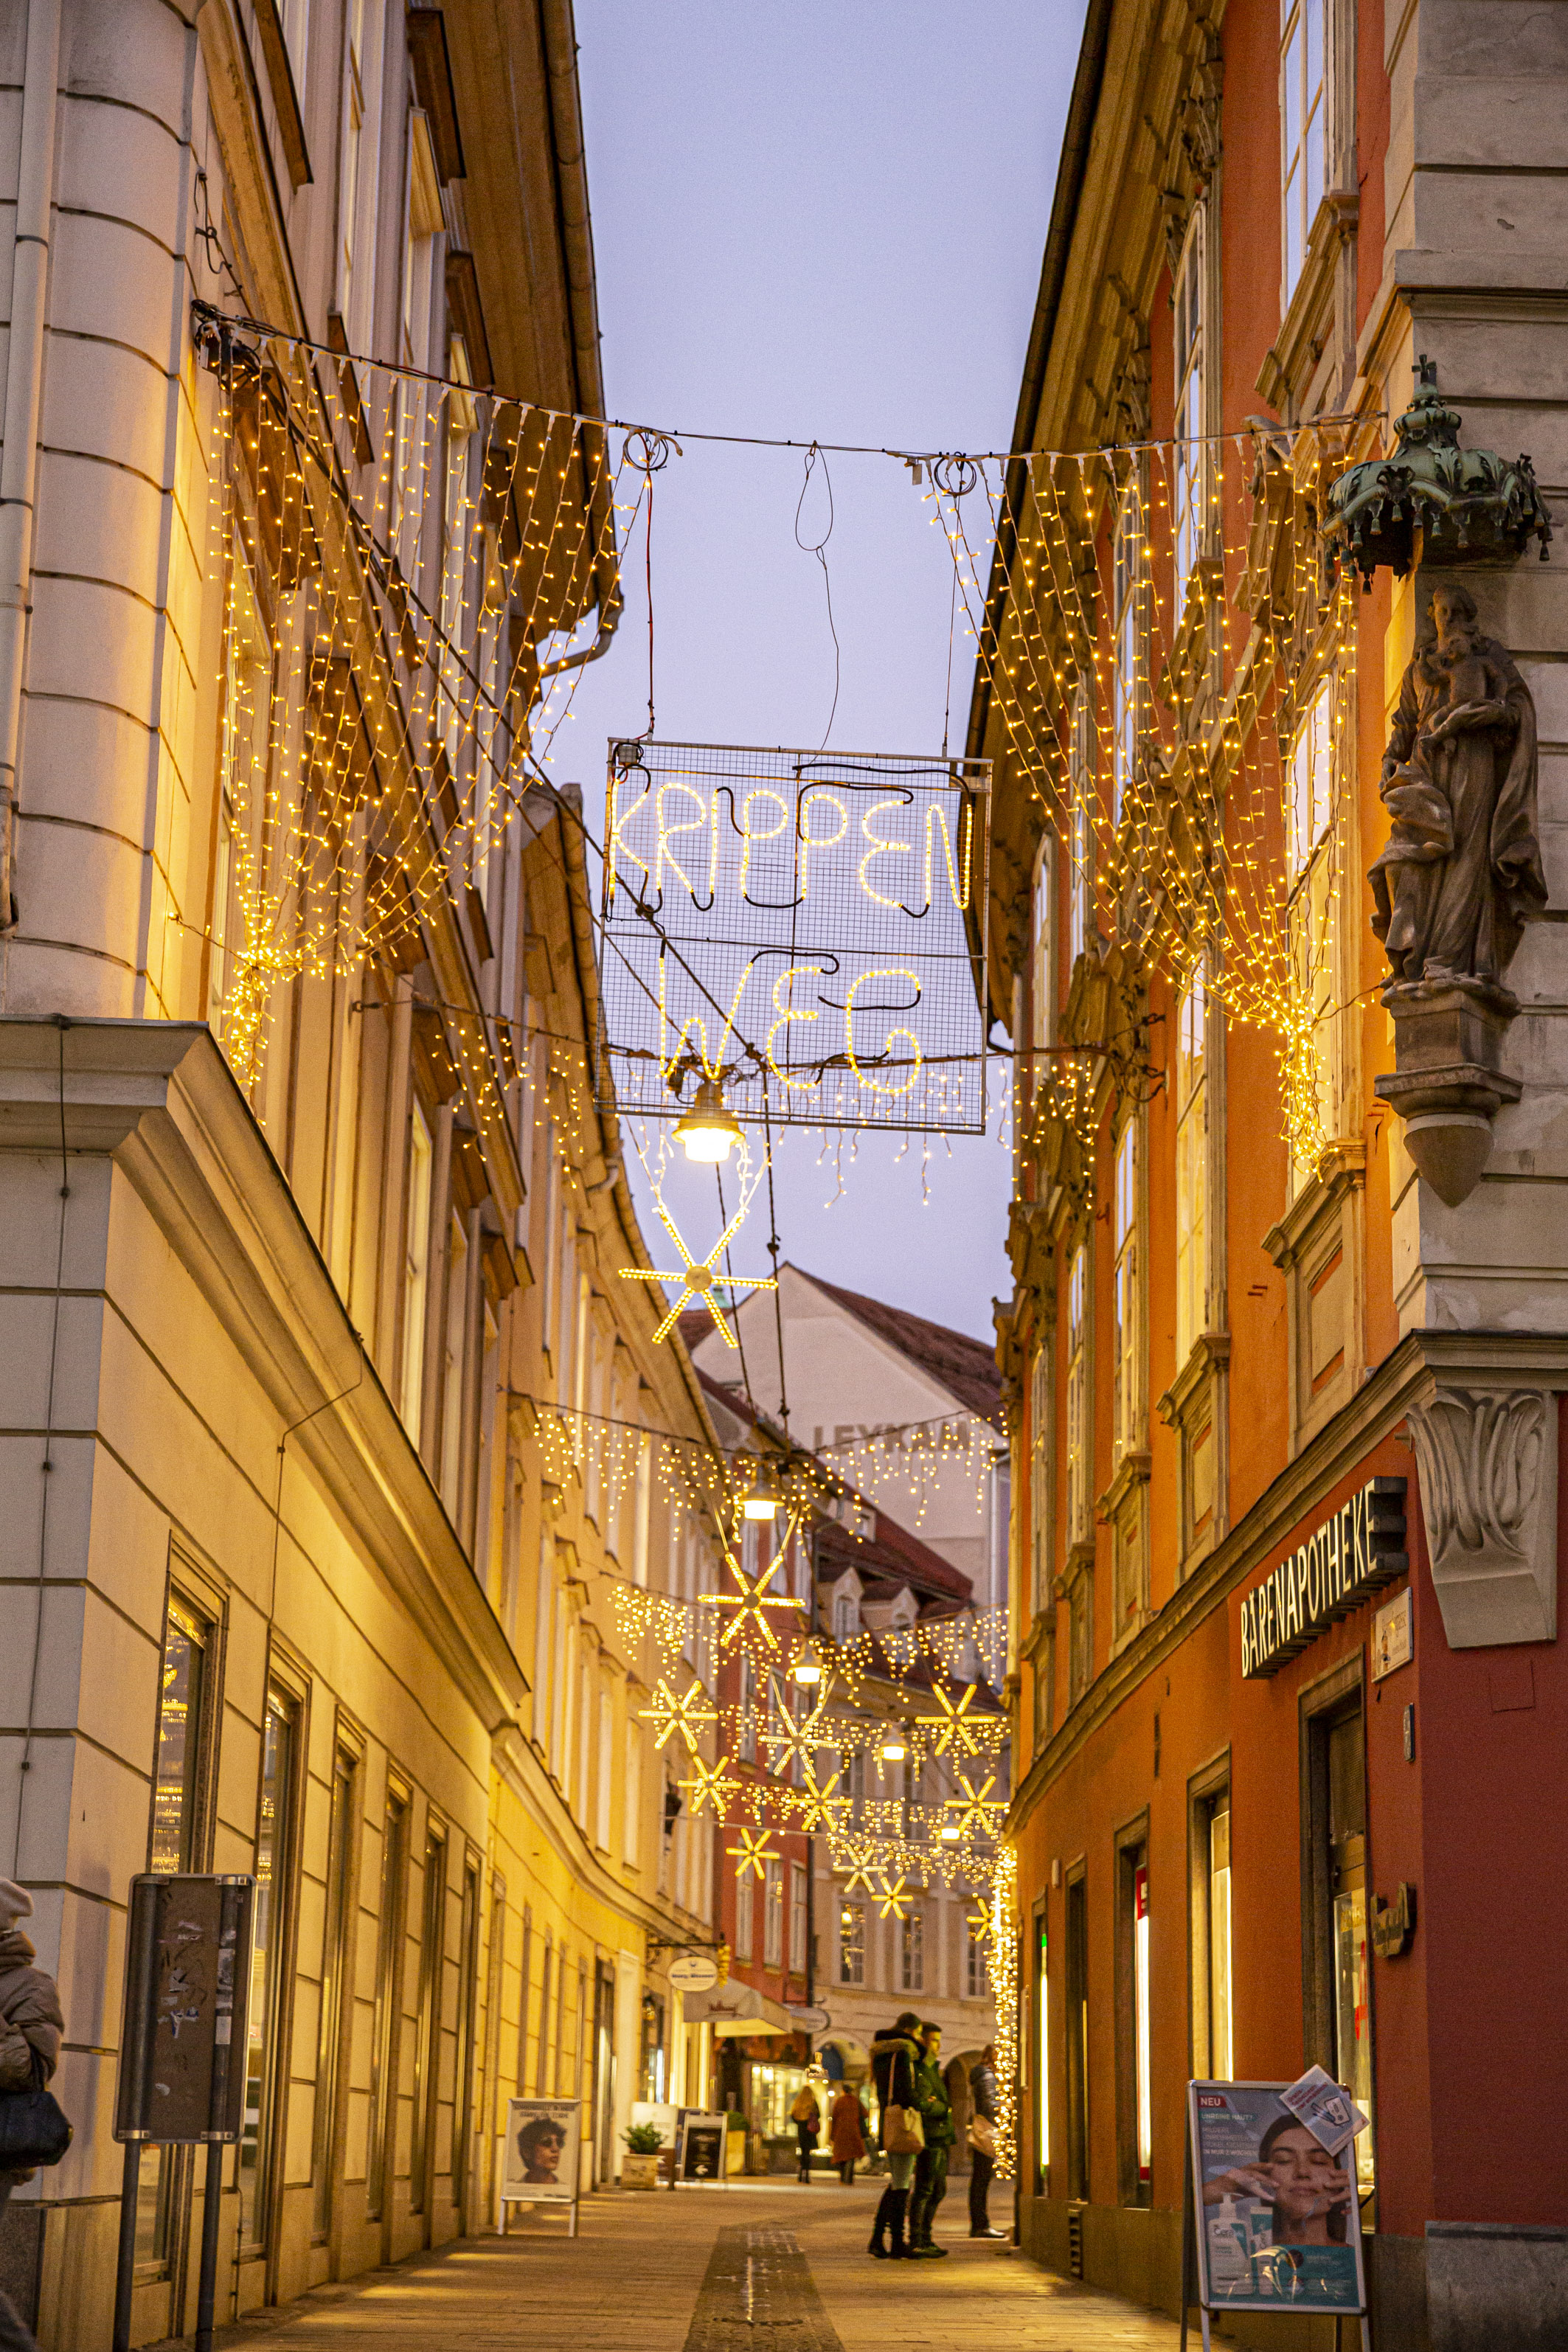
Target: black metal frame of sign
{"x": 806, "y": 928}
{"x": 1271, "y": 2278}
{"x": 697, "y": 2119}
{"x": 182, "y": 2062}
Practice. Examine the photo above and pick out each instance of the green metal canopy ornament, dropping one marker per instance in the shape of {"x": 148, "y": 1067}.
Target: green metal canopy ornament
{"x": 1468, "y": 506}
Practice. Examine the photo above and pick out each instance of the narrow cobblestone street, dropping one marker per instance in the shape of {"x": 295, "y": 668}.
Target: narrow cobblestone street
{"x": 642, "y": 2270}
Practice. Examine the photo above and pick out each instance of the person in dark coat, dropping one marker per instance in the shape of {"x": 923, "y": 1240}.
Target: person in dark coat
{"x": 31, "y": 2025}
{"x": 847, "y": 2129}
{"x": 930, "y": 2164}
{"x": 894, "y": 2058}
{"x": 982, "y": 2142}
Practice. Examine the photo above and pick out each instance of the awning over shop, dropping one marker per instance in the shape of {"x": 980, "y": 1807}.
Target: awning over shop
{"x": 735, "y": 2009}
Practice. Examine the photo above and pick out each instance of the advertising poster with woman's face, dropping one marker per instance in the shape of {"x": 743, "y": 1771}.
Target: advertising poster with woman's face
{"x": 541, "y": 2150}
{"x": 1279, "y": 2225}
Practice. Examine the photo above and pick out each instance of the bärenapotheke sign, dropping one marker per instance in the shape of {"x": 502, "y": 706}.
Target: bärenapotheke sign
{"x": 1361, "y": 1548}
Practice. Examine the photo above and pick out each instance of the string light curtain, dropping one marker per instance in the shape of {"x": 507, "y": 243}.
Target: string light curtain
{"x": 1175, "y": 683}
{"x": 414, "y": 572}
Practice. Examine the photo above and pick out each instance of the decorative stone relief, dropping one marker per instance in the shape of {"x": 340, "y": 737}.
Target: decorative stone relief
{"x": 1487, "y": 1459}
{"x": 1460, "y": 879}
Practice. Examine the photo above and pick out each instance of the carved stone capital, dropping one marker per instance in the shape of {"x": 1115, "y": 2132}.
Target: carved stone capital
{"x": 1487, "y": 1459}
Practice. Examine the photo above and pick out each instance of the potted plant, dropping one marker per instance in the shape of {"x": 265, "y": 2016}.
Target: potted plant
{"x": 639, "y": 2166}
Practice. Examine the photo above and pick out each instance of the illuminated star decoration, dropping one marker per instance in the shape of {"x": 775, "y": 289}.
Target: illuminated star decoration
{"x": 949, "y": 1728}
{"x": 711, "y": 1785}
{"x": 793, "y": 1739}
{"x": 699, "y": 1276}
{"x": 749, "y": 1599}
{"x": 979, "y": 1923}
{"x": 857, "y": 1858}
{"x": 892, "y": 1897}
{"x": 973, "y": 1809}
{"x": 753, "y": 1852}
{"x": 818, "y": 1806}
{"x": 685, "y": 1712}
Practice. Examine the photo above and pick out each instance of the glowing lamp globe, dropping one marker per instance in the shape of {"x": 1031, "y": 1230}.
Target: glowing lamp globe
{"x": 707, "y": 1131}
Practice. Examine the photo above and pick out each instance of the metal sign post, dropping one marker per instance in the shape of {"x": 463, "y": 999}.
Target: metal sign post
{"x": 181, "y": 2071}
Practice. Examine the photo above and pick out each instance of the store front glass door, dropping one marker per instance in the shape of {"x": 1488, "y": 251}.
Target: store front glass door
{"x": 1348, "y": 1921}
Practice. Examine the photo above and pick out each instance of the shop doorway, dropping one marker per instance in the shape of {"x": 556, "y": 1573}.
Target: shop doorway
{"x": 603, "y": 2073}
{"x": 1337, "y": 1976}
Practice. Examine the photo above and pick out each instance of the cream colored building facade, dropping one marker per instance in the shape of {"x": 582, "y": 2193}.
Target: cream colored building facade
{"x": 319, "y": 1447}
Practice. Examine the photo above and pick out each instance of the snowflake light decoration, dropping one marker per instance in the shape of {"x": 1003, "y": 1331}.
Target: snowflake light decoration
{"x": 698, "y": 1277}
{"x": 687, "y": 1712}
{"x": 753, "y": 1854}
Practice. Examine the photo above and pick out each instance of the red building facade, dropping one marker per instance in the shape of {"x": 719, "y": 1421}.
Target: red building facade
{"x": 1287, "y": 1377}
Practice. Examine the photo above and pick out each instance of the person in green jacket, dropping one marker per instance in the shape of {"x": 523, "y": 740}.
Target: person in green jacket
{"x": 931, "y": 2165}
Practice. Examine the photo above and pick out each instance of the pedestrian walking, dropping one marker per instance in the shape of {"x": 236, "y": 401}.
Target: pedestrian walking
{"x": 894, "y": 2058}
{"x": 846, "y": 2133}
{"x": 941, "y": 2131}
{"x": 806, "y": 2116}
{"x": 982, "y": 2142}
{"x": 30, "y": 2029}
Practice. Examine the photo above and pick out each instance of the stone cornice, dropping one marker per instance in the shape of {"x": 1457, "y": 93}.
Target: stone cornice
{"x": 1402, "y": 1377}
{"x": 160, "y": 1098}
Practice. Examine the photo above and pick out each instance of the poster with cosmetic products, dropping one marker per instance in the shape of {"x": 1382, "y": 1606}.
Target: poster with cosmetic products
{"x": 1278, "y": 2227}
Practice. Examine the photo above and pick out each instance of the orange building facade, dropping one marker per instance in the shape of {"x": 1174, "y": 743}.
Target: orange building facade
{"x": 1288, "y": 1337}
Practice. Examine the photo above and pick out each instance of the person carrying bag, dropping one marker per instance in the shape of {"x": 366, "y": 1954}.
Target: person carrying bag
{"x": 33, "y": 2130}
{"x": 806, "y": 2117}
{"x": 894, "y": 2057}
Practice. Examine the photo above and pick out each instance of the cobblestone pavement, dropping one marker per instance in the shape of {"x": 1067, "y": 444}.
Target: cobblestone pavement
{"x": 683, "y": 2273}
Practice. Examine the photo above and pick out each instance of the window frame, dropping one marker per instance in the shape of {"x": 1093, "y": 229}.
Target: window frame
{"x": 1297, "y": 202}
{"x": 1191, "y": 1157}
{"x": 1191, "y": 458}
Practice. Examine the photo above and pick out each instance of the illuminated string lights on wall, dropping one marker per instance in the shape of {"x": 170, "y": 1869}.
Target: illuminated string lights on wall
{"x": 1175, "y": 683}
{"x": 1002, "y": 1951}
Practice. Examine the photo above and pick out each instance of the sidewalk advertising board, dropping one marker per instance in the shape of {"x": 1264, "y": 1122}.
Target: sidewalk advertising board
{"x": 541, "y": 2153}
{"x": 1278, "y": 2227}
{"x": 701, "y": 2148}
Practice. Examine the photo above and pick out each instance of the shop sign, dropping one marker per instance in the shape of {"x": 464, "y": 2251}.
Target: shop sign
{"x": 1392, "y": 1637}
{"x": 693, "y": 1972}
{"x": 1351, "y": 1555}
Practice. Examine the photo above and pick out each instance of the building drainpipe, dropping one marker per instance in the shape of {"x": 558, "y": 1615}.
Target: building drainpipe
{"x": 24, "y": 392}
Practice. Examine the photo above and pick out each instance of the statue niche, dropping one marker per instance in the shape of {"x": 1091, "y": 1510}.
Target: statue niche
{"x": 1460, "y": 879}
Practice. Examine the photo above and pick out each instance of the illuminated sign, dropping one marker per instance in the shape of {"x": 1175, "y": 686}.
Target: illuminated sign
{"x": 1353, "y": 1553}
{"x": 805, "y": 928}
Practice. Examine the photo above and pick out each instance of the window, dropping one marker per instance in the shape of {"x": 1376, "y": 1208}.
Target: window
{"x": 424, "y": 223}
{"x": 1043, "y": 2043}
{"x": 976, "y": 1976}
{"x": 642, "y": 1505}
{"x": 1041, "y": 975}
{"x": 1081, "y": 788}
{"x": 1313, "y": 883}
{"x": 1081, "y": 1404}
{"x": 336, "y": 1961}
{"x": 176, "y": 1786}
{"x": 1191, "y": 1168}
{"x": 432, "y": 1975}
{"x": 1075, "y": 2023}
{"x": 607, "y": 1771}
{"x": 260, "y": 2135}
{"x": 631, "y": 1797}
{"x": 851, "y": 1943}
{"x": 1126, "y": 1311}
{"x": 1041, "y": 1417}
{"x": 1222, "y": 2058}
{"x": 773, "y": 1914}
{"x": 383, "y": 2056}
{"x": 174, "y": 1847}
{"x": 1141, "y": 2021}
{"x": 845, "y": 1616}
{"x": 296, "y": 15}
{"x": 468, "y": 2041}
{"x": 798, "y": 1930}
{"x": 1129, "y": 623}
{"x": 1304, "y": 123}
{"x": 454, "y": 1364}
{"x": 415, "y": 1272}
{"x": 1190, "y": 468}
{"x": 745, "y": 1913}
{"x": 911, "y": 1952}
{"x": 357, "y": 174}
{"x": 544, "y": 1605}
